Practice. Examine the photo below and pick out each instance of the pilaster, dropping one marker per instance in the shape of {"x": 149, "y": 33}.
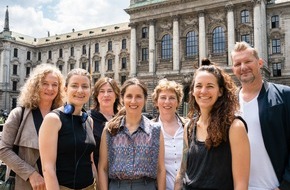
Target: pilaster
{"x": 152, "y": 52}
{"x": 176, "y": 42}
{"x": 202, "y": 36}
{"x": 133, "y": 51}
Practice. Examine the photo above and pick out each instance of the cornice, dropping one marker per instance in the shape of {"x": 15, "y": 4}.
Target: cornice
{"x": 153, "y": 6}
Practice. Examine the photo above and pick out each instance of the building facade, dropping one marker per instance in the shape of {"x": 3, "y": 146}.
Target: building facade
{"x": 164, "y": 38}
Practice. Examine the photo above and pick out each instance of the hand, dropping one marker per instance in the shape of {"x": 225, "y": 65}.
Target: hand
{"x": 37, "y": 181}
{"x": 277, "y": 188}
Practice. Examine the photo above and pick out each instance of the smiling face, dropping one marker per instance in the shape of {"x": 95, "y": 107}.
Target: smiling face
{"x": 49, "y": 88}
{"x": 78, "y": 90}
{"x": 206, "y": 90}
{"x": 106, "y": 96}
{"x": 134, "y": 100}
{"x": 246, "y": 66}
{"x": 167, "y": 102}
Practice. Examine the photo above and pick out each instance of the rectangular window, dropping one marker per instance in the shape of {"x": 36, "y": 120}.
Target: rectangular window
{"x": 28, "y": 57}
{"x": 110, "y": 46}
{"x": 84, "y": 51}
{"x": 60, "y": 67}
{"x": 14, "y": 103}
{"x": 275, "y": 21}
{"x": 72, "y": 51}
{"x": 110, "y": 64}
{"x": 96, "y": 66}
{"x": 39, "y": 56}
{"x": 72, "y": 66}
{"x": 124, "y": 63}
{"x": 15, "y": 52}
{"x": 276, "y": 46}
{"x": 144, "y": 32}
{"x": 14, "y": 85}
{"x": 97, "y": 48}
{"x": 245, "y": 38}
{"x": 84, "y": 66}
{"x": 60, "y": 53}
{"x": 277, "y": 69}
{"x": 14, "y": 69}
{"x": 145, "y": 54}
{"x": 27, "y": 71}
{"x": 245, "y": 16}
{"x": 124, "y": 44}
{"x": 123, "y": 79}
{"x": 49, "y": 55}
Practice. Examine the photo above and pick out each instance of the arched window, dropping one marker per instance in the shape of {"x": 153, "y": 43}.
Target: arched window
{"x": 218, "y": 40}
{"x": 166, "y": 47}
{"x": 191, "y": 44}
{"x": 245, "y": 16}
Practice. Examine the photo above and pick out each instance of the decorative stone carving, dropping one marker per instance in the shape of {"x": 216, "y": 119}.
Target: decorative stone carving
{"x": 190, "y": 21}
{"x": 166, "y": 25}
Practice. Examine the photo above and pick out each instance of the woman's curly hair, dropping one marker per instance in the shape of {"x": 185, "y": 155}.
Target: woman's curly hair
{"x": 96, "y": 90}
{"x": 114, "y": 124}
{"x": 29, "y": 96}
{"x": 223, "y": 110}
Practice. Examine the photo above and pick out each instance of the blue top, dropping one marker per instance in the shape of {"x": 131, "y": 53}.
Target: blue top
{"x": 133, "y": 156}
{"x": 74, "y": 147}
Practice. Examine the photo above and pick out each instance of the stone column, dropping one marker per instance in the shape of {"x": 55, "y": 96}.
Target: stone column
{"x": 117, "y": 60}
{"x": 175, "y": 44}
{"x": 287, "y": 44}
{"x": 231, "y": 31}
{"x": 264, "y": 32}
{"x": 258, "y": 27}
{"x": 133, "y": 51}
{"x": 202, "y": 36}
{"x": 152, "y": 60}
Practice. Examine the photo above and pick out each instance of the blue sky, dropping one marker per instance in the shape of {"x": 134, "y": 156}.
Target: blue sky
{"x": 36, "y": 17}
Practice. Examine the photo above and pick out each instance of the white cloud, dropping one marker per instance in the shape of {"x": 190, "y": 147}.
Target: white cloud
{"x": 61, "y": 16}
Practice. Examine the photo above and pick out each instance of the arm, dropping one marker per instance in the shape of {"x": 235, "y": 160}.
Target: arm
{"x": 181, "y": 173}
{"x": 161, "y": 172}
{"x": 11, "y": 129}
{"x": 240, "y": 150}
{"x": 103, "y": 162}
{"x": 48, "y": 137}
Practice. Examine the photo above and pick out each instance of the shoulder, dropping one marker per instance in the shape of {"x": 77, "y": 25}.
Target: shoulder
{"x": 238, "y": 125}
{"x": 53, "y": 116}
{"x": 277, "y": 87}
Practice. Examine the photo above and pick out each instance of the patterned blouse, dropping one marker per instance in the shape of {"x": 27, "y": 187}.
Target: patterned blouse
{"x": 133, "y": 156}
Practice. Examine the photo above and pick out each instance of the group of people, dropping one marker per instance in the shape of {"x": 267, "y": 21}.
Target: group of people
{"x": 232, "y": 138}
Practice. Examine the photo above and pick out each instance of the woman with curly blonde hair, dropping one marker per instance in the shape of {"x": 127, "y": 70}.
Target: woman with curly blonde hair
{"x": 41, "y": 93}
{"x": 216, "y": 151}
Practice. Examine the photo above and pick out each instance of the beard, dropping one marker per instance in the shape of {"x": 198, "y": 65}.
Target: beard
{"x": 247, "y": 79}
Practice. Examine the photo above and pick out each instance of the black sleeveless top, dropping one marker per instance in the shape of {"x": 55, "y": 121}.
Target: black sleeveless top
{"x": 75, "y": 145}
{"x": 209, "y": 169}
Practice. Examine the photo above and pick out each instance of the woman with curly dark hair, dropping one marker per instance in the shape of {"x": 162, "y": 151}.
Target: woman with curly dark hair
{"x": 216, "y": 152}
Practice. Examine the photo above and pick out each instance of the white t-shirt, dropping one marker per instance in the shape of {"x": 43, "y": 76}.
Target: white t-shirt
{"x": 262, "y": 174}
{"x": 173, "y": 154}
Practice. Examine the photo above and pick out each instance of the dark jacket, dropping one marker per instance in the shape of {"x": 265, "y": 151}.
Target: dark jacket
{"x": 274, "y": 114}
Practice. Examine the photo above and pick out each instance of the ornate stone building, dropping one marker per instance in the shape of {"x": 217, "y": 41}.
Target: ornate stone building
{"x": 169, "y": 38}
{"x": 164, "y": 38}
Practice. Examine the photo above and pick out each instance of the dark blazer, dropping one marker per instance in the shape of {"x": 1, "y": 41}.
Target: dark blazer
{"x": 274, "y": 114}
